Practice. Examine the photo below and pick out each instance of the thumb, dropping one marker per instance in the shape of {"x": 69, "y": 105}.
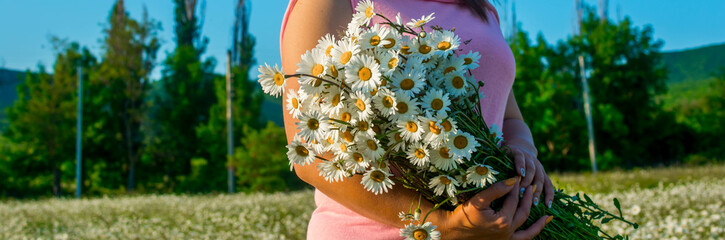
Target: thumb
{"x": 483, "y": 199}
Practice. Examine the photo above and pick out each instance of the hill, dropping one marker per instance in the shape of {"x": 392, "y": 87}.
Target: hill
{"x": 694, "y": 65}
{"x": 9, "y": 80}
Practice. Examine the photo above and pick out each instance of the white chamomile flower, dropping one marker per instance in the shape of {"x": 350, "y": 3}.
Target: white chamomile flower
{"x": 334, "y": 102}
{"x": 416, "y": 23}
{"x": 369, "y": 146}
{"x": 442, "y": 159}
{"x": 406, "y": 216}
{"x": 272, "y": 80}
{"x": 385, "y": 102}
{"x": 470, "y": 59}
{"x": 410, "y": 129}
{"x": 389, "y": 63}
{"x": 481, "y": 175}
{"x": 326, "y": 43}
{"x": 445, "y": 42}
{"x": 433, "y": 135}
{"x": 462, "y": 144}
{"x": 393, "y": 41}
{"x": 422, "y": 47}
{"x": 348, "y": 138}
{"x": 362, "y": 106}
{"x": 362, "y": 127}
{"x": 377, "y": 181}
{"x": 365, "y": 11}
{"x": 345, "y": 114}
{"x": 405, "y": 45}
{"x": 374, "y": 37}
{"x": 354, "y": 29}
{"x": 443, "y": 183}
{"x": 409, "y": 81}
{"x": 357, "y": 161}
{"x": 455, "y": 84}
{"x": 420, "y": 232}
{"x": 344, "y": 50}
{"x": 313, "y": 126}
{"x": 363, "y": 73}
{"x": 449, "y": 125}
{"x": 406, "y": 106}
{"x": 496, "y": 133}
{"x": 313, "y": 63}
{"x": 418, "y": 154}
{"x": 294, "y": 103}
{"x": 298, "y": 153}
{"x": 332, "y": 171}
{"x": 453, "y": 65}
{"x": 437, "y": 102}
{"x": 396, "y": 142}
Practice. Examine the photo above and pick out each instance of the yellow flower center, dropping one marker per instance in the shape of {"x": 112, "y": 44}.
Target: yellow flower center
{"x": 330, "y": 140}
{"x": 457, "y": 82}
{"x": 419, "y": 153}
{"x": 481, "y": 170}
{"x": 419, "y": 23}
{"x": 444, "y": 152}
{"x": 345, "y": 116}
{"x": 328, "y": 51}
{"x": 434, "y": 127}
{"x": 398, "y": 137}
{"x": 407, "y": 84}
{"x": 364, "y": 74}
{"x": 317, "y": 69}
{"x": 445, "y": 180}
{"x": 347, "y": 135}
{"x": 383, "y": 82}
{"x": 333, "y": 71}
{"x": 345, "y": 57}
{"x": 405, "y": 50}
{"x": 360, "y": 104}
{"x": 363, "y": 125}
{"x": 377, "y": 176}
{"x": 335, "y": 100}
{"x": 447, "y": 126}
{"x": 467, "y": 61}
{"x": 460, "y": 142}
{"x": 411, "y": 126}
{"x": 369, "y": 12}
{"x": 449, "y": 69}
{"x": 357, "y": 157}
{"x": 376, "y": 129}
{"x": 375, "y": 40}
{"x": 436, "y": 104}
{"x": 373, "y": 92}
{"x": 313, "y": 124}
{"x": 424, "y": 49}
{"x": 343, "y": 148}
{"x": 372, "y": 145}
{"x": 402, "y": 107}
{"x": 444, "y": 45}
{"x": 278, "y": 79}
{"x": 420, "y": 234}
{"x": 387, "y": 102}
{"x": 302, "y": 151}
{"x": 391, "y": 44}
{"x": 317, "y": 83}
{"x": 295, "y": 103}
{"x": 392, "y": 63}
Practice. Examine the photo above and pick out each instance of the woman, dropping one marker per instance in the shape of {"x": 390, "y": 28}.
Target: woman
{"x": 345, "y": 210}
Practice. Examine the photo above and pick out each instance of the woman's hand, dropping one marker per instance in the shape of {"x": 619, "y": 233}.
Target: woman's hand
{"x": 531, "y": 170}
{"x": 475, "y": 219}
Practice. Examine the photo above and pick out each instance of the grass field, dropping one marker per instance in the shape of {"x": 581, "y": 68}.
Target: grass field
{"x": 668, "y": 203}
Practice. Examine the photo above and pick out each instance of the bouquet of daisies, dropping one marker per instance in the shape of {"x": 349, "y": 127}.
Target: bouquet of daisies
{"x": 397, "y": 101}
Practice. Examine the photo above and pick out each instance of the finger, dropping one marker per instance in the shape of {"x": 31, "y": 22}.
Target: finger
{"x": 522, "y": 213}
{"x": 549, "y": 192}
{"x": 512, "y": 200}
{"x": 530, "y": 172}
{"x": 533, "y": 230}
{"x": 539, "y": 185}
{"x": 483, "y": 199}
{"x": 519, "y": 161}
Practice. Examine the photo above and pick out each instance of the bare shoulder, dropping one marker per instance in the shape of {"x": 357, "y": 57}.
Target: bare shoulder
{"x": 311, "y": 19}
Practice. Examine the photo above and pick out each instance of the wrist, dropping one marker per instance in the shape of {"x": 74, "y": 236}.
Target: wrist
{"x": 517, "y": 134}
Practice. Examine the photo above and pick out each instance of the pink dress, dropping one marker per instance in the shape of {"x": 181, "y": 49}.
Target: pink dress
{"x": 497, "y": 69}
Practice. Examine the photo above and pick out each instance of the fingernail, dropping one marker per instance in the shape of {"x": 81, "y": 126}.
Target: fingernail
{"x": 521, "y": 193}
{"x": 536, "y": 201}
{"x": 510, "y": 181}
{"x": 549, "y": 219}
{"x": 533, "y": 189}
{"x": 523, "y": 172}
{"x": 549, "y": 204}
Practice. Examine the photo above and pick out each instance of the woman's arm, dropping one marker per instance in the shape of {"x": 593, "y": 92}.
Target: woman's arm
{"x": 518, "y": 136}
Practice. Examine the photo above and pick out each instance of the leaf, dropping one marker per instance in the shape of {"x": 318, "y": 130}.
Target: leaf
{"x": 606, "y": 220}
{"x": 619, "y": 208}
{"x": 589, "y": 200}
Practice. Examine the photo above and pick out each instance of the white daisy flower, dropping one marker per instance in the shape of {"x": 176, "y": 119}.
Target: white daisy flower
{"x": 396, "y": 142}
{"x": 481, "y": 175}
{"x": 418, "y": 154}
{"x": 405, "y": 45}
{"x": 362, "y": 106}
{"x": 433, "y": 135}
{"x": 345, "y": 114}
{"x": 334, "y": 102}
{"x": 443, "y": 183}
{"x": 443, "y": 159}
{"x": 410, "y": 129}
{"x": 445, "y": 42}
{"x": 363, "y": 73}
{"x": 374, "y": 37}
{"x": 496, "y": 133}
{"x": 449, "y": 125}
{"x": 406, "y": 216}
{"x": 353, "y": 30}
{"x": 272, "y": 80}
{"x": 298, "y": 153}
{"x": 362, "y": 127}
{"x": 393, "y": 41}
{"x": 357, "y": 162}
{"x": 294, "y": 103}
{"x": 364, "y": 11}
{"x": 313, "y": 126}
{"x": 347, "y": 137}
{"x": 416, "y": 23}
{"x": 369, "y": 146}
{"x": 344, "y": 50}
{"x": 453, "y": 65}
{"x": 326, "y": 43}
{"x": 420, "y": 232}
{"x": 313, "y": 63}
{"x": 377, "y": 181}
{"x": 408, "y": 81}
{"x": 385, "y": 102}
{"x": 437, "y": 102}
{"x": 406, "y": 107}
{"x": 422, "y": 47}
{"x": 389, "y": 62}
{"x": 332, "y": 171}
{"x": 462, "y": 144}
{"x": 470, "y": 59}
{"x": 455, "y": 84}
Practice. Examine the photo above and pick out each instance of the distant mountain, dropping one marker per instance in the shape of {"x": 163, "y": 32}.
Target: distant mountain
{"x": 694, "y": 65}
{"x": 9, "y": 80}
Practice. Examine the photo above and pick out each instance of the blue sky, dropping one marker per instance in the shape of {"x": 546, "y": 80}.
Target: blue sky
{"x": 27, "y": 25}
